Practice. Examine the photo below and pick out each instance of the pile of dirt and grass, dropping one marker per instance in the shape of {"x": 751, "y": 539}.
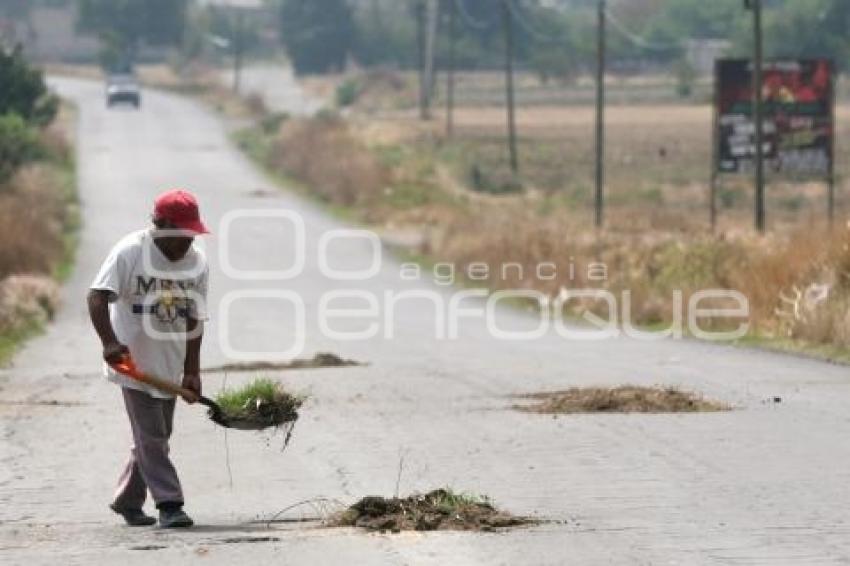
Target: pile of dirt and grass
{"x": 320, "y": 360}
{"x": 441, "y": 509}
{"x": 624, "y": 399}
{"x": 262, "y": 404}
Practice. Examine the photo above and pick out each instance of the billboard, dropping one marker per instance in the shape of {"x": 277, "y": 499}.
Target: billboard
{"x": 798, "y": 117}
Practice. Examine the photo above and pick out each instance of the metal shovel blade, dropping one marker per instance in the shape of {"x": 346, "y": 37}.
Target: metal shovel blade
{"x": 217, "y": 416}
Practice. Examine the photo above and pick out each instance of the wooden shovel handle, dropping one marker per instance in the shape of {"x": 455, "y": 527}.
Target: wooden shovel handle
{"x": 127, "y": 367}
{"x": 168, "y": 387}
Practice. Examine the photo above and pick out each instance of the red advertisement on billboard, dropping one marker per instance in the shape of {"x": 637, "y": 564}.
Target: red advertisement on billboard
{"x": 797, "y": 102}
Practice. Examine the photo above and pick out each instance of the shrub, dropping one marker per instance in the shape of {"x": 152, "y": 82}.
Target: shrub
{"x": 347, "y": 93}
{"x": 271, "y": 123}
{"x": 256, "y": 104}
{"x": 19, "y": 144}
{"x": 497, "y": 180}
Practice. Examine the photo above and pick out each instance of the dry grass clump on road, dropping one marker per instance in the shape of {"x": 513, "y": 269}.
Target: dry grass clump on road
{"x": 441, "y": 509}
{"x": 625, "y": 399}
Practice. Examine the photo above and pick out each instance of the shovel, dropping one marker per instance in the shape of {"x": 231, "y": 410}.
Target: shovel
{"x": 128, "y": 367}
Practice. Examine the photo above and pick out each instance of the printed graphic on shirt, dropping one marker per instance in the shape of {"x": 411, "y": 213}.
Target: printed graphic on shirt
{"x": 166, "y": 299}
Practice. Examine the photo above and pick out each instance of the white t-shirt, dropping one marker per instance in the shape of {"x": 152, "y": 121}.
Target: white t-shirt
{"x": 150, "y": 298}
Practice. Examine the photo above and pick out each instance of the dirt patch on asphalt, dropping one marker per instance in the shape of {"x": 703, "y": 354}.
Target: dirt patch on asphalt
{"x": 625, "y": 399}
{"x": 441, "y": 509}
{"x": 41, "y": 403}
{"x": 320, "y": 360}
{"x": 248, "y": 540}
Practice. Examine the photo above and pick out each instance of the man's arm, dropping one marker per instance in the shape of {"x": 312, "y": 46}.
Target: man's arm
{"x": 192, "y": 365}
{"x": 113, "y": 350}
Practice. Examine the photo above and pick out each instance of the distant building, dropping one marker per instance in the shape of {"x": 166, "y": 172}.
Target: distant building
{"x": 702, "y": 53}
{"x": 50, "y": 35}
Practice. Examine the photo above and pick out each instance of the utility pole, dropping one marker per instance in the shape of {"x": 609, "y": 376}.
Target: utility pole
{"x": 432, "y": 21}
{"x": 237, "y": 49}
{"x": 507, "y": 21}
{"x": 758, "y": 113}
{"x": 600, "y": 116}
{"x": 450, "y": 77}
{"x": 424, "y": 87}
{"x": 830, "y": 195}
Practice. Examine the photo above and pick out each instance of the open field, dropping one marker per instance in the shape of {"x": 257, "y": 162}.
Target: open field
{"x": 657, "y": 156}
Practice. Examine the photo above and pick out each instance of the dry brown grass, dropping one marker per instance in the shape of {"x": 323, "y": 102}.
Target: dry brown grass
{"x": 624, "y": 399}
{"x": 652, "y": 265}
{"x": 36, "y": 218}
{"x": 324, "y": 154}
{"x": 32, "y": 221}
{"x": 27, "y": 300}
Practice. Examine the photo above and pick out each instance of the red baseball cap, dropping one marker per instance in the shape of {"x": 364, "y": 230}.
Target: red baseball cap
{"x": 180, "y": 208}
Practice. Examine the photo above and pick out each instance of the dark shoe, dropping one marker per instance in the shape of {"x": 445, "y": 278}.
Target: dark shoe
{"x": 134, "y": 517}
{"x": 174, "y": 519}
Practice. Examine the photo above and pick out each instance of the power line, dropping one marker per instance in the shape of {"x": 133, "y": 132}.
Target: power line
{"x": 639, "y": 40}
{"x": 520, "y": 18}
{"x": 469, "y": 19}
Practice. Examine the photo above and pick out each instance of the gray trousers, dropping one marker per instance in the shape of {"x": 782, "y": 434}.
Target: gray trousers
{"x": 149, "y": 468}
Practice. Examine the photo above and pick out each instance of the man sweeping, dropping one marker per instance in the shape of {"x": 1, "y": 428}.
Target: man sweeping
{"x": 148, "y": 302}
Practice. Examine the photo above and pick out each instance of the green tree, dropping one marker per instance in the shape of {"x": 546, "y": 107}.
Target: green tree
{"x": 24, "y": 92}
{"x": 318, "y": 34}
{"x": 385, "y": 34}
{"x": 122, "y": 25}
{"x": 818, "y": 27}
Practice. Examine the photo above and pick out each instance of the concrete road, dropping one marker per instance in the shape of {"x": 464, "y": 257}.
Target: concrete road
{"x": 278, "y": 87}
{"x": 766, "y": 483}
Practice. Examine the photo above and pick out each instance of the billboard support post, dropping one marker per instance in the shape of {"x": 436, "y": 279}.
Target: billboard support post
{"x": 758, "y": 116}
{"x": 830, "y": 181}
{"x": 715, "y": 140}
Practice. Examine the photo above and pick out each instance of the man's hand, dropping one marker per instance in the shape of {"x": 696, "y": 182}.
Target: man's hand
{"x": 192, "y": 382}
{"x": 114, "y": 352}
